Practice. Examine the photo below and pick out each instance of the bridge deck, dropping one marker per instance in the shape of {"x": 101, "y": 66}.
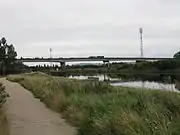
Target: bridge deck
{"x": 87, "y": 59}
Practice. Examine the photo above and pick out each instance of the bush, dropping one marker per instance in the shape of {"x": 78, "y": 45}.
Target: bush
{"x": 4, "y": 128}
{"x": 3, "y": 95}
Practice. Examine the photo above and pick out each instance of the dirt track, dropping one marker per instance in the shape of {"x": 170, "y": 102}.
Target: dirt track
{"x": 28, "y": 116}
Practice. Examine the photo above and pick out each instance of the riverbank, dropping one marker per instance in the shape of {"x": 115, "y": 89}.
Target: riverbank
{"x": 4, "y": 126}
{"x": 85, "y": 71}
{"x": 140, "y": 67}
{"x": 96, "y": 108}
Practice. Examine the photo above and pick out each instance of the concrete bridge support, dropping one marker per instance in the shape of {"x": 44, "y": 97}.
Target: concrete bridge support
{"x": 108, "y": 63}
{"x": 63, "y": 66}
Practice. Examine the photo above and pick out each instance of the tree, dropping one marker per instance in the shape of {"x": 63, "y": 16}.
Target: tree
{"x": 7, "y": 56}
{"x": 177, "y": 55}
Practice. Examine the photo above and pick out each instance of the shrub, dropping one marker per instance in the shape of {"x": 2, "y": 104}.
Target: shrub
{"x": 4, "y": 128}
{"x": 3, "y": 95}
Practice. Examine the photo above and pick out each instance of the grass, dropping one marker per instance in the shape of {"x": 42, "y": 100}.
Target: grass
{"x": 97, "y": 108}
{"x": 4, "y": 127}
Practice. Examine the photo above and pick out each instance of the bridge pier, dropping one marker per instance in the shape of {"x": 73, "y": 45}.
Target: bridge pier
{"x": 108, "y": 63}
{"x": 63, "y": 65}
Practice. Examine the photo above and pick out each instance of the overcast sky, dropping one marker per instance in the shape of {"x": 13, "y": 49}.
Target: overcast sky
{"x": 91, "y": 27}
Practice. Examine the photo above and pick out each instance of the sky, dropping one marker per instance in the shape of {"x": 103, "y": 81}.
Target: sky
{"x": 82, "y": 28}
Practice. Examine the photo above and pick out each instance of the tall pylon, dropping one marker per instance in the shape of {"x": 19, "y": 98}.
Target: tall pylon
{"x": 141, "y": 42}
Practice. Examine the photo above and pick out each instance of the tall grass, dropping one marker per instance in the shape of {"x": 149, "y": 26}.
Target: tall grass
{"x": 4, "y": 127}
{"x": 100, "y": 109}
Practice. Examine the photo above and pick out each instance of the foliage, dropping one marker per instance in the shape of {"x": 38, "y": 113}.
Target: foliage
{"x": 4, "y": 129}
{"x": 99, "y": 109}
{"x": 3, "y": 95}
{"x": 177, "y": 55}
{"x": 7, "y": 56}
{"x": 145, "y": 67}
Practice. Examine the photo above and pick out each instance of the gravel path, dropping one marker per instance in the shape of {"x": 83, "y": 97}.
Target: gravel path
{"x": 28, "y": 116}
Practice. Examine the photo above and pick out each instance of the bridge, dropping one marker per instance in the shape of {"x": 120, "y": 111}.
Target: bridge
{"x": 63, "y": 61}
{"x": 83, "y": 59}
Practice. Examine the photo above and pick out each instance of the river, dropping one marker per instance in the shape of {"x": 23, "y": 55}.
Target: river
{"x": 165, "y": 83}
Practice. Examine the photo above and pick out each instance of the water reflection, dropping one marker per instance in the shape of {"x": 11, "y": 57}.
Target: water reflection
{"x": 148, "y": 85}
{"x": 153, "y": 81}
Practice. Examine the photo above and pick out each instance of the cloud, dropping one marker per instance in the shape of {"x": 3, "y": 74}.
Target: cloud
{"x": 83, "y": 28}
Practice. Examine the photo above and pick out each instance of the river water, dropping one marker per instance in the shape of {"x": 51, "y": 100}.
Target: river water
{"x": 167, "y": 85}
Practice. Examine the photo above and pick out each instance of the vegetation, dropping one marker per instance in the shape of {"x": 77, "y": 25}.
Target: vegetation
{"x": 4, "y": 129}
{"x": 8, "y": 62}
{"x": 177, "y": 55}
{"x": 143, "y": 67}
{"x": 7, "y": 56}
{"x": 97, "y": 108}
